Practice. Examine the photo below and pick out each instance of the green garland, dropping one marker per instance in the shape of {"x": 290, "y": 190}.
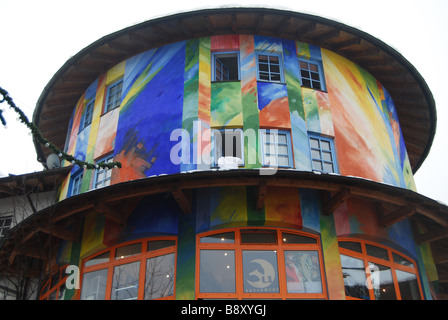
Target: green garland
{"x": 38, "y": 136}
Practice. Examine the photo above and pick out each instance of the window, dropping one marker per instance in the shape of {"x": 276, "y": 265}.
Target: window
{"x": 139, "y": 270}
{"x": 311, "y": 74}
{"x": 225, "y": 67}
{"x": 252, "y": 263}
{"x": 5, "y": 225}
{"x": 54, "y": 287}
{"x": 276, "y": 148}
{"x": 269, "y": 67}
{"x": 113, "y": 96}
{"x": 375, "y": 272}
{"x": 228, "y": 148}
{"x": 88, "y": 114}
{"x": 322, "y": 154}
{"x": 103, "y": 176}
{"x": 76, "y": 183}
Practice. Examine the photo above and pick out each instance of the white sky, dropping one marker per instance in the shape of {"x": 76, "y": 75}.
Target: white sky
{"x": 38, "y": 37}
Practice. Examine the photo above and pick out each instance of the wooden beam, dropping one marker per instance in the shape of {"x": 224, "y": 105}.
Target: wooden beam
{"x": 331, "y": 205}
{"x": 432, "y": 235}
{"x": 182, "y": 200}
{"x": 396, "y": 216}
{"x": 261, "y": 195}
{"x": 440, "y": 259}
{"x": 60, "y": 232}
{"x": 114, "y": 214}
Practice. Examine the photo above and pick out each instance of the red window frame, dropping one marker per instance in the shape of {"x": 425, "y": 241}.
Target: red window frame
{"x": 52, "y": 287}
{"x": 142, "y": 257}
{"x": 279, "y": 247}
{"x": 388, "y": 263}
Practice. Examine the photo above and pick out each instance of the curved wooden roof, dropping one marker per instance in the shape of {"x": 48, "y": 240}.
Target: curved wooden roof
{"x": 413, "y": 99}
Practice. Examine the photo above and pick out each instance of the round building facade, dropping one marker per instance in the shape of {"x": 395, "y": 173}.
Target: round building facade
{"x": 258, "y": 160}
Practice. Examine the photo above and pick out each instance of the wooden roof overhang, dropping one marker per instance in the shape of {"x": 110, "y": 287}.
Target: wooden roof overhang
{"x": 412, "y": 97}
{"x": 62, "y": 220}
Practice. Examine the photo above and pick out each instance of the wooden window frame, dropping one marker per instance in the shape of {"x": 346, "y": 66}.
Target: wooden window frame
{"x": 269, "y": 64}
{"x": 388, "y": 263}
{"x": 108, "y": 96}
{"x": 142, "y": 257}
{"x": 334, "y": 161}
{"x": 279, "y": 247}
{"x": 45, "y": 293}
{"x": 287, "y": 134}
{"x": 320, "y": 73}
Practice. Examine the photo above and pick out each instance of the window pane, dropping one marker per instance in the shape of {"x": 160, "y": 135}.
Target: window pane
{"x": 282, "y": 149}
{"x": 354, "y": 277}
{"x": 303, "y": 272}
{"x": 317, "y": 165}
{"x": 282, "y": 139}
{"x": 314, "y": 143}
{"x": 382, "y": 283}
{"x": 160, "y": 244}
{"x": 217, "y": 271}
{"x": 260, "y": 273}
{"x": 401, "y": 260}
{"x": 227, "y": 237}
{"x": 125, "y": 281}
{"x": 328, "y": 167}
{"x": 408, "y": 285}
{"x": 159, "y": 281}
{"x": 94, "y": 285}
{"x": 258, "y": 237}
{"x": 325, "y": 145}
{"x": 283, "y": 161}
{"x": 305, "y": 74}
{"x": 354, "y": 246}
{"x": 104, "y": 257}
{"x": 377, "y": 252}
{"x": 326, "y": 156}
{"x": 128, "y": 251}
{"x": 314, "y": 67}
{"x": 303, "y": 65}
{"x": 315, "y": 154}
{"x": 289, "y": 238}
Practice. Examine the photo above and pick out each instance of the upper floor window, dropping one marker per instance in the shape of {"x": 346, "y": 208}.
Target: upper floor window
{"x": 138, "y": 270}
{"x": 228, "y": 148}
{"x": 5, "y": 225}
{"x": 311, "y": 74}
{"x": 323, "y": 157}
{"x": 113, "y": 99}
{"x": 276, "y": 148}
{"x": 376, "y": 272}
{"x": 254, "y": 263}
{"x": 103, "y": 176}
{"x": 76, "y": 183}
{"x": 88, "y": 115}
{"x": 270, "y": 67}
{"x": 225, "y": 67}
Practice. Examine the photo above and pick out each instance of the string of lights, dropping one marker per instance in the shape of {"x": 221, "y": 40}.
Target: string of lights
{"x": 48, "y": 144}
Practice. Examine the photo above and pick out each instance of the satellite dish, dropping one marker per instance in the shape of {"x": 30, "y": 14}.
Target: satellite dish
{"x": 53, "y": 161}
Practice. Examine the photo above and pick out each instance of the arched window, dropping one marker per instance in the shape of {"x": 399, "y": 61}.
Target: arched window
{"x": 254, "y": 263}
{"x": 376, "y": 272}
{"x": 54, "y": 287}
{"x": 142, "y": 270}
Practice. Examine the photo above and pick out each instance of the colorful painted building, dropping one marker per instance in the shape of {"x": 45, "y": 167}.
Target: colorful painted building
{"x": 264, "y": 154}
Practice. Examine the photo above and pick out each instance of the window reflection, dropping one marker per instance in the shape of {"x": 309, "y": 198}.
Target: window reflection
{"x": 354, "y": 277}
{"x": 94, "y": 285}
{"x": 125, "y": 281}
{"x": 217, "y": 270}
{"x": 159, "y": 281}
{"x": 407, "y": 282}
{"x": 382, "y": 283}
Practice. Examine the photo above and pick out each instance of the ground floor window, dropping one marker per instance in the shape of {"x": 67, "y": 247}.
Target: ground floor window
{"x": 259, "y": 263}
{"x": 375, "y": 272}
{"x": 138, "y": 270}
{"x": 54, "y": 287}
